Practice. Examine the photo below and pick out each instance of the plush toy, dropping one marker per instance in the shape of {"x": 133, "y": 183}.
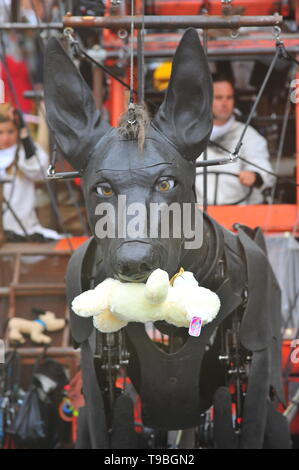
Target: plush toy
{"x": 113, "y": 304}
{"x": 46, "y": 321}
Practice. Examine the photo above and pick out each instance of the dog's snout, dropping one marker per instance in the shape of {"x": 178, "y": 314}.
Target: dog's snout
{"x": 135, "y": 261}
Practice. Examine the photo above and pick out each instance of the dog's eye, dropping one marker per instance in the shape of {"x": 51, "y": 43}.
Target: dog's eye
{"x": 165, "y": 184}
{"x": 104, "y": 189}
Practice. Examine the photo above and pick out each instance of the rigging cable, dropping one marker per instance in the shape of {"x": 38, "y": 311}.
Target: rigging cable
{"x": 215, "y": 144}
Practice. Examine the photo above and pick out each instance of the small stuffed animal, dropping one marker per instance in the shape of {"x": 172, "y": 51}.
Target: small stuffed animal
{"x": 46, "y": 321}
{"x": 113, "y": 304}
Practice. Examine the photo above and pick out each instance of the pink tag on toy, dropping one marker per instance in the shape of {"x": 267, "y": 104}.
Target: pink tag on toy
{"x": 195, "y": 326}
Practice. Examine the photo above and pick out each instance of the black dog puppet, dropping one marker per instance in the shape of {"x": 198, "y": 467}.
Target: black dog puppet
{"x": 175, "y": 389}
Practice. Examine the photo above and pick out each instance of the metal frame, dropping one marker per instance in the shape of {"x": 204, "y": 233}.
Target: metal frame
{"x": 171, "y": 22}
{"x": 168, "y": 22}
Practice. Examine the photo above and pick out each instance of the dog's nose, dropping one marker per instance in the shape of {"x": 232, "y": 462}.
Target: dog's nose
{"x": 135, "y": 261}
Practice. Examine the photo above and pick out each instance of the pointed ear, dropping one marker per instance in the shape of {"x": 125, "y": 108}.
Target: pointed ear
{"x": 71, "y": 112}
{"x": 185, "y": 116}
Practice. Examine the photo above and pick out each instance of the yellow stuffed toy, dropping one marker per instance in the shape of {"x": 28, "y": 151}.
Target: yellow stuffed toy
{"x": 46, "y": 321}
{"x": 113, "y": 304}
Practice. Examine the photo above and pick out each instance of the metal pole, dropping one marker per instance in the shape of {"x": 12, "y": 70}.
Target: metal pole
{"x": 153, "y": 22}
{"x": 171, "y": 22}
{"x": 213, "y": 53}
{"x": 29, "y": 27}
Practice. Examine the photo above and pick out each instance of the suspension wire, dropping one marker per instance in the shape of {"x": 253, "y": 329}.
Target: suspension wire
{"x": 132, "y": 55}
{"x": 131, "y": 108}
{"x": 95, "y": 62}
{"x": 18, "y": 220}
{"x": 78, "y": 50}
{"x": 205, "y": 154}
{"x": 142, "y": 53}
{"x": 279, "y": 157}
{"x": 258, "y": 98}
{"x": 285, "y": 178}
{"x": 233, "y": 156}
{"x": 281, "y": 142}
{"x": 140, "y": 56}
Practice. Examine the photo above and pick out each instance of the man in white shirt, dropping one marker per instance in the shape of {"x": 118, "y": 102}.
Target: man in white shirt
{"x": 226, "y": 133}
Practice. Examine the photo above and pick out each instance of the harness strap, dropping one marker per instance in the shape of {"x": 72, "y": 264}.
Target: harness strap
{"x": 176, "y": 376}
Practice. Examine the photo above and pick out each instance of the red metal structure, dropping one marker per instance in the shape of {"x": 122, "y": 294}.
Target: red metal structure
{"x": 214, "y": 7}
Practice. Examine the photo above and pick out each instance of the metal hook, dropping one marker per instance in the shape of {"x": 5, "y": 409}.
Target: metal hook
{"x": 233, "y": 157}
{"x": 132, "y": 114}
{"x": 52, "y": 175}
{"x": 68, "y": 33}
{"x": 51, "y": 171}
{"x": 122, "y": 34}
{"x": 235, "y": 33}
{"x": 276, "y": 32}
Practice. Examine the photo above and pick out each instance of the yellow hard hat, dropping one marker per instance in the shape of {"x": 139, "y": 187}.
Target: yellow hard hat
{"x": 161, "y": 76}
